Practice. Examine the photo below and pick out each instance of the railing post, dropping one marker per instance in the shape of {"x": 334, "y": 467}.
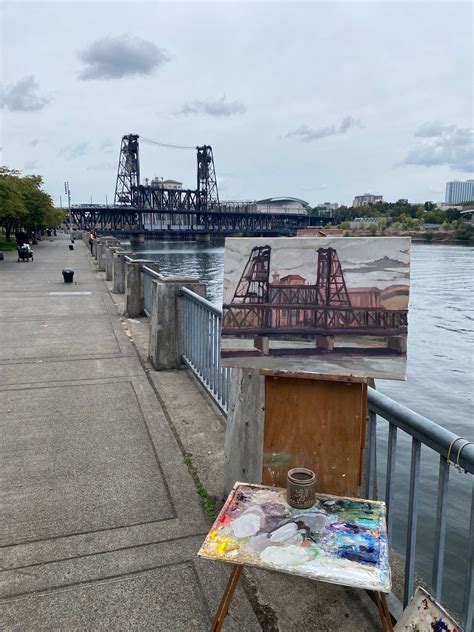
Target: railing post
{"x": 109, "y": 260}
{"x": 166, "y": 344}
{"x": 134, "y": 286}
{"x": 118, "y": 270}
{"x": 105, "y": 242}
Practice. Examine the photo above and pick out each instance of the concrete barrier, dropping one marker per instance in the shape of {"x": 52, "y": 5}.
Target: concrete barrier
{"x": 118, "y": 270}
{"x": 109, "y": 251}
{"x": 104, "y": 242}
{"x": 165, "y": 347}
{"x": 134, "y": 303}
{"x": 243, "y": 447}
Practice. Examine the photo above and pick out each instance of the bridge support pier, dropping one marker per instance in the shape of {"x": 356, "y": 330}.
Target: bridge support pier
{"x": 203, "y": 237}
{"x": 137, "y": 239}
{"x": 397, "y": 343}
{"x": 325, "y": 342}
{"x": 262, "y": 344}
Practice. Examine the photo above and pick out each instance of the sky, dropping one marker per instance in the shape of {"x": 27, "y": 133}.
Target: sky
{"x": 317, "y": 100}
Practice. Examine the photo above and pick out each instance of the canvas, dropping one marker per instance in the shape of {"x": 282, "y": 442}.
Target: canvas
{"x": 424, "y": 614}
{"x": 339, "y": 540}
{"x": 329, "y": 306}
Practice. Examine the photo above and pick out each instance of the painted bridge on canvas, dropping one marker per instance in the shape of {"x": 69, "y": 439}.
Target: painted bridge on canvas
{"x": 289, "y": 306}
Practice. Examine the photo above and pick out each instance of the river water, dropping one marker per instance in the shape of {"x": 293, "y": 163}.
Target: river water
{"x": 439, "y": 384}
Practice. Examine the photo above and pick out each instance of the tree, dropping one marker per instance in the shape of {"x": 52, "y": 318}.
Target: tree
{"x": 13, "y": 210}
{"x": 429, "y": 206}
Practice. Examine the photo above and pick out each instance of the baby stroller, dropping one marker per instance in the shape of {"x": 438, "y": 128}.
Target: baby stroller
{"x": 25, "y": 253}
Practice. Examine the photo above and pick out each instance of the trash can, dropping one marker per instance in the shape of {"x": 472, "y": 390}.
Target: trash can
{"x": 68, "y": 275}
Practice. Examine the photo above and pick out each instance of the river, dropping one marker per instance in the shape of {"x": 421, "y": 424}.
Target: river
{"x": 439, "y": 384}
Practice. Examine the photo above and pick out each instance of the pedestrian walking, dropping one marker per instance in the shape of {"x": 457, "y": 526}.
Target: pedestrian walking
{"x": 91, "y": 240}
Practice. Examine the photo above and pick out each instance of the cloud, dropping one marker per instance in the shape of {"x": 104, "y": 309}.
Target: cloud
{"x": 107, "y": 146}
{"x": 23, "y": 96}
{"x": 102, "y": 166}
{"x": 122, "y": 56}
{"x": 440, "y": 144}
{"x": 74, "y": 151}
{"x": 308, "y": 134}
{"x": 219, "y": 108}
{"x": 32, "y": 164}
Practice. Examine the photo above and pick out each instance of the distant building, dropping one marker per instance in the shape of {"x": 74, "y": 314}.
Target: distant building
{"x": 443, "y": 206}
{"x": 367, "y": 198}
{"x": 458, "y": 192}
{"x": 159, "y": 183}
{"x": 282, "y": 205}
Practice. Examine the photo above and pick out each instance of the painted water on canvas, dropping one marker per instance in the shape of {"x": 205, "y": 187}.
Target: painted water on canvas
{"x": 339, "y": 540}
{"x": 424, "y": 614}
{"x": 333, "y": 306}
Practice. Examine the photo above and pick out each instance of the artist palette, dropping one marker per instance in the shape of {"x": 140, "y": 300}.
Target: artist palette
{"x": 340, "y": 540}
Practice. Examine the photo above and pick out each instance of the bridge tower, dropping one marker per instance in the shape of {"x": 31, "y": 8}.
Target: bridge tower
{"x": 128, "y": 173}
{"x": 206, "y": 179}
{"x": 330, "y": 285}
{"x": 253, "y": 284}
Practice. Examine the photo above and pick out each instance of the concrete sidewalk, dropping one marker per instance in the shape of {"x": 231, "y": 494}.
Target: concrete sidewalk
{"x": 100, "y": 518}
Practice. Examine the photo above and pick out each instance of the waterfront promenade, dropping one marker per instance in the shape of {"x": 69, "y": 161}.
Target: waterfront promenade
{"x": 100, "y": 518}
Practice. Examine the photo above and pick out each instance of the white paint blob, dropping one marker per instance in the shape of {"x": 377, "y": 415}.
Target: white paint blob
{"x": 247, "y": 524}
{"x": 285, "y": 532}
{"x": 284, "y": 556}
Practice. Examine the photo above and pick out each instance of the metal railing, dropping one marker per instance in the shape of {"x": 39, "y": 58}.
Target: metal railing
{"x": 201, "y": 330}
{"x": 202, "y": 346}
{"x": 148, "y": 276}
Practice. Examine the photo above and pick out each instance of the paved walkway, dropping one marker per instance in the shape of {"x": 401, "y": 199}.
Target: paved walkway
{"x": 100, "y": 520}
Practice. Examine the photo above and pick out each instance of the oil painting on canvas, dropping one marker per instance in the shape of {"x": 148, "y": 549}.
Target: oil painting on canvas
{"x": 330, "y": 306}
{"x": 339, "y": 540}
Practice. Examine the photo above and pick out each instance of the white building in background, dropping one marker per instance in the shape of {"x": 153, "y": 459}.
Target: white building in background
{"x": 283, "y": 205}
{"x": 367, "y": 198}
{"x": 159, "y": 183}
{"x": 458, "y": 192}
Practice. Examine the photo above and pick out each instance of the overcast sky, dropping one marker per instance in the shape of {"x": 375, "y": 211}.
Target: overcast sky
{"x": 317, "y": 100}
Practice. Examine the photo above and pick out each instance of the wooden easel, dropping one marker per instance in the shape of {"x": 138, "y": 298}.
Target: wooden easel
{"x": 317, "y": 422}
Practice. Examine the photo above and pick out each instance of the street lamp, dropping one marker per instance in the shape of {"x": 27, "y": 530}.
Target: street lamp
{"x": 67, "y": 191}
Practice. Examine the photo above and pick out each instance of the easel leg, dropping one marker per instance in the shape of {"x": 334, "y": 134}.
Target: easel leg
{"x": 384, "y": 612}
{"x": 226, "y": 598}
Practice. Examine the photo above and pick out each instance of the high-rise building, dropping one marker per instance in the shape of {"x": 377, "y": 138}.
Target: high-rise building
{"x": 457, "y": 192}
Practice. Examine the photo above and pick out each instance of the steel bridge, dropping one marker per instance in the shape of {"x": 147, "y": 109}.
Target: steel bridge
{"x": 262, "y": 308}
{"x": 156, "y": 209}
{"x": 132, "y": 220}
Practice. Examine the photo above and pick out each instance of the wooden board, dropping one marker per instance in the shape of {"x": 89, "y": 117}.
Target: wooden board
{"x": 317, "y": 424}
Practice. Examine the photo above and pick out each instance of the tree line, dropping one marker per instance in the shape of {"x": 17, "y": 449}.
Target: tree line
{"x": 396, "y": 211}
{"x": 24, "y": 205}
